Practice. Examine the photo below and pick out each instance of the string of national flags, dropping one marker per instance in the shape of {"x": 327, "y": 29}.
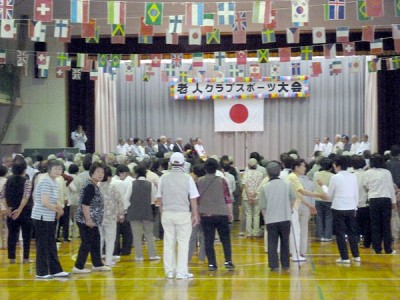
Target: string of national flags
{"x": 195, "y": 18}
{"x": 178, "y": 67}
{"x": 204, "y": 23}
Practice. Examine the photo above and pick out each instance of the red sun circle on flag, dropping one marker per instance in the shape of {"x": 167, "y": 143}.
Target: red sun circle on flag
{"x": 195, "y": 35}
{"x": 318, "y": 34}
{"x": 239, "y": 113}
{"x": 7, "y": 27}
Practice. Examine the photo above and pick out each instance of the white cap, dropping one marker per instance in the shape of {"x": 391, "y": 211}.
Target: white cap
{"x": 177, "y": 159}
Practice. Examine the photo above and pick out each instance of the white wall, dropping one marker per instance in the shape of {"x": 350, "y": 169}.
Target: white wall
{"x": 42, "y": 119}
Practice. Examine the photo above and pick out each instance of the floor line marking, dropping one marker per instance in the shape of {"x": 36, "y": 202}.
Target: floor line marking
{"x": 85, "y": 277}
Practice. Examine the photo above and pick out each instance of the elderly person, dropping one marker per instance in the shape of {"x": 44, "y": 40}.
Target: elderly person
{"x": 73, "y": 193}
{"x": 3, "y": 209}
{"x": 140, "y": 213}
{"x": 251, "y": 181}
{"x": 79, "y": 139}
{"x": 323, "y": 219}
{"x": 199, "y": 148}
{"x": 382, "y": 199}
{"x": 16, "y": 192}
{"x": 113, "y": 213}
{"x": 197, "y": 237}
{"x": 363, "y": 212}
{"x": 121, "y": 148}
{"x": 44, "y": 212}
{"x": 215, "y": 209}
{"x": 343, "y": 190}
{"x": 364, "y": 145}
{"x": 178, "y": 216}
{"x": 298, "y": 169}
{"x": 123, "y": 182}
{"x": 178, "y": 145}
{"x": 162, "y": 146}
{"x": 150, "y": 148}
{"x": 30, "y": 170}
{"x": 7, "y": 161}
{"x": 89, "y": 217}
{"x": 338, "y": 146}
{"x": 354, "y": 144}
{"x": 276, "y": 200}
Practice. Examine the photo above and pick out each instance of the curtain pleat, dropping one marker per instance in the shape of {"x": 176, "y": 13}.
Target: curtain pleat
{"x": 371, "y": 107}
{"x": 105, "y": 113}
{"x": 337, "y": 104}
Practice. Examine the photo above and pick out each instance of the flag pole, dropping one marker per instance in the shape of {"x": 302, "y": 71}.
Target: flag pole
{"x": 246, "y": 154}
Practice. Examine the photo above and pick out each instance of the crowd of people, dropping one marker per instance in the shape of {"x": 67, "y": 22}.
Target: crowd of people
{"x": 177, "y": 193}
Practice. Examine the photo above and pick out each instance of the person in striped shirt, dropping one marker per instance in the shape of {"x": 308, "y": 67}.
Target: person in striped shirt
{"x": 44, "y": 212}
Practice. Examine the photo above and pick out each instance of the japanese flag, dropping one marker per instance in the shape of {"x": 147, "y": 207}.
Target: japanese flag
{"x": 239, "y": 115}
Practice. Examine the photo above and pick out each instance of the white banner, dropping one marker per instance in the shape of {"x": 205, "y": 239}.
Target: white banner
{"x": 249, "y": 88}
{"x": 239, "y": 115}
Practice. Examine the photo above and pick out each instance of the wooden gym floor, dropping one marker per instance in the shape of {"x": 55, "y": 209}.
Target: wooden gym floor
{"x": 376, "y": 277}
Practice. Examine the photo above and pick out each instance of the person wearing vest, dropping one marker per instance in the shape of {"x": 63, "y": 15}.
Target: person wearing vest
{"x": 140, "y": 213}
{"x": 177, "y": 195}
{"x": 215, "y": 209}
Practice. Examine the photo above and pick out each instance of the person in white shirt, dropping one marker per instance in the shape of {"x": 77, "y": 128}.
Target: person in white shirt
{"x": 230, "y": 179}
{"x": 339, "y": 146}
{"x": 121, "y": 148}
{"x": 382, "y": 199}
{"x": 328, "y": 148}
{"x": 287, "y": 165}
{"x": 343, "y": 190}
{"x": 73, "y": 192}
{"x": 365, "y": 145}
{"x": 177, "y": 194}
{"x": 129, "y": 144}
{"x": 123, "y": 182}
{"x": 298, "y": 169}
{"x": 363, "y": 212}
{"x": 79, "y": 139}
{"x": 354, "y": 144}
{"x": 199, "y": 147}
{"x": 30, "y": 171}
{"x": 318, "y": 146}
